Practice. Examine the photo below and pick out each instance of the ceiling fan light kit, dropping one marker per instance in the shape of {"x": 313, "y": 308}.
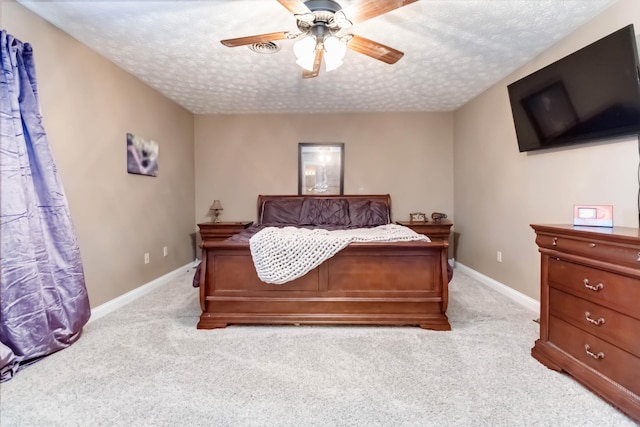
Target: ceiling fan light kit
{"x": 333, "y": 49}
{"x": 322, "y": 26}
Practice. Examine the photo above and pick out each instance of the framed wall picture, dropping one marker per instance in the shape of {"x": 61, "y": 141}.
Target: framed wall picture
{"x": 142, "y": 155}
{"x": 320, "y": 168}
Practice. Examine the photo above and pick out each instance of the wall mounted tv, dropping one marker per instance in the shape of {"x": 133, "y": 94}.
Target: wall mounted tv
{"x": 593, "y": 93}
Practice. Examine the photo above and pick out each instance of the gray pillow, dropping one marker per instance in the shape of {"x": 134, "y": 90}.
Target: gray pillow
{"x": 281, "y": 211}
{"x": 332, "y": 211}
{"x": 368, "y": 213}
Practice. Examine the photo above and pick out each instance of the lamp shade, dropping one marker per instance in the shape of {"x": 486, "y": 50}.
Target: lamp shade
{"x": 335, "y": 49}
{"x": 216, "y": 205}
{"x": 305, "y": 50}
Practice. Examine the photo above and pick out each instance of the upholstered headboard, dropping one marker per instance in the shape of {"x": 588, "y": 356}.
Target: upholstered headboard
{"x": 352, "y": 210}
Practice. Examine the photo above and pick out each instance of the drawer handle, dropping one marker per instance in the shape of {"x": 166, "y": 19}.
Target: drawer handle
{"x": 592, "y": 245}
{"x": 638, "y": 260}
{"x": 595, "y": 288}
{"x": 555, "y": 243}
{"x": 598, "y": 322}
{"x": 599, "y": 355}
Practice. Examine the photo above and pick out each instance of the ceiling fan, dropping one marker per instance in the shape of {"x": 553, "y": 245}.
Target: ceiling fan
{"x": 324, "y": 33}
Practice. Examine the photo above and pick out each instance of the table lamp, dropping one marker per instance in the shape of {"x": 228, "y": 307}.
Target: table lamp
{"x": 214, "y": 210}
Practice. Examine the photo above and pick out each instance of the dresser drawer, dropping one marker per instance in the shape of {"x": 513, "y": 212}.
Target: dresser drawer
{"x": 615, "y": 291}
{"x": 612, "y": 362}
{"x": 622, "y": 254}
{"x": 609, "y": 325}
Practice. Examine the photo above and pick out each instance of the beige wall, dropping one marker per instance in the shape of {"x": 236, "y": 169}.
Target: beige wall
{"x": 408, "y": 155}
{"x": 500, "y": 191}
{"x": 89, "y": 105}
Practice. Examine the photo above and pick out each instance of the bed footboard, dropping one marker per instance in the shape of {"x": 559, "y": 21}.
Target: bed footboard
{"x": 365, "y": 283}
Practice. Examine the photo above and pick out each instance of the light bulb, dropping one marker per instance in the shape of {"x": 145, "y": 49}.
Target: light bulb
{"x": 335, "y": 49}
{"x": 305, "y": 50}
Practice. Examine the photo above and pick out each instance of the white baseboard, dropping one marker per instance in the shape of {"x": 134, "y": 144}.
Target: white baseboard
{"x": 516, "y": 296}
{"x": 118, "y": 302}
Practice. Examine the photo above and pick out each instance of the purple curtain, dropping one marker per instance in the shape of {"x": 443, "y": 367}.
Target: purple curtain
{"x": 43, "y": 298}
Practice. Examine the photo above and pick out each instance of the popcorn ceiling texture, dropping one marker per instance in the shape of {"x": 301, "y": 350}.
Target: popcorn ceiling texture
{"x": 454, "y": 50}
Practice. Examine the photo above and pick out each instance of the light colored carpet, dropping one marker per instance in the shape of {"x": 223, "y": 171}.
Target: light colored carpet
{"x": 146, "y": 364}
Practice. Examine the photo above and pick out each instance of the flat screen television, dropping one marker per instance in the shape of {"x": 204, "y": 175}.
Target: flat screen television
{"x": 593, "y": 93}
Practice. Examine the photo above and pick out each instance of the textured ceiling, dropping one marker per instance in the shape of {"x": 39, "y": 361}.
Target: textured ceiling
{"x": 454, "y": 50}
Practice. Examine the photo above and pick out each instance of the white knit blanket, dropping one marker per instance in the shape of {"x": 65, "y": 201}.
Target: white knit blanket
{"x": 284, "y": 254}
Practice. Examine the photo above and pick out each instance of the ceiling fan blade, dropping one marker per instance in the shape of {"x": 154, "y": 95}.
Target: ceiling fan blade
{"x": 306, "y": 74}
{"x": 260, "y": 38}
{"x": 370, "y": 9}
{"x": 297, "y": 7}
{"x": 374, "y": 49}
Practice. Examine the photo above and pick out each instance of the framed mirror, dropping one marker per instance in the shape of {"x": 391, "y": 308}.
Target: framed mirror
{"x": 321, "y": 168}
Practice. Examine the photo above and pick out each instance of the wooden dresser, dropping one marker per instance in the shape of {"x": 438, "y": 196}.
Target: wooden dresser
{"x": 590, "y": 309}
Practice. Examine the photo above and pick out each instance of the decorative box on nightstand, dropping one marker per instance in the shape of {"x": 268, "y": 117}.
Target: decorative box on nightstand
{"x": 221, "y": 230}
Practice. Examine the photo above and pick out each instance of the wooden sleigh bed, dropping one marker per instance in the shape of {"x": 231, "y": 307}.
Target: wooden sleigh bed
{"x": 379, "y": 283}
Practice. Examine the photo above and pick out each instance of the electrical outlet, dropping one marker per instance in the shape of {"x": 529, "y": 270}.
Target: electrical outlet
{"x": 165, "y": 251}
{"x": 146, "y": 258}
{"x": 499, "y": 256}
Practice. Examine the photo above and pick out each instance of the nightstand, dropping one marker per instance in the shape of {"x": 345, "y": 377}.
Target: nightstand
{"x": 435, "y": 230}
{"x": 215, "y": 231}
